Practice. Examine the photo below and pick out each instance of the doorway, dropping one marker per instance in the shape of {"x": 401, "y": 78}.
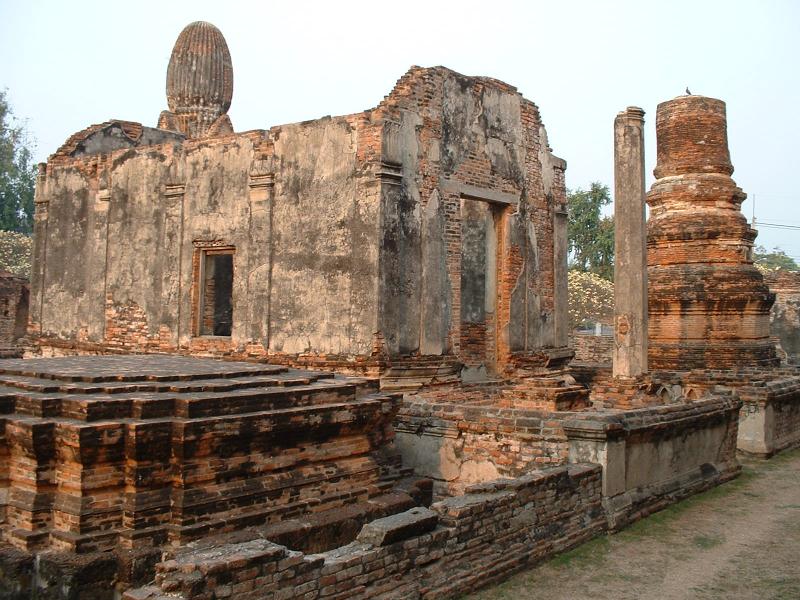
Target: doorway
{"x": 479, "y": 222}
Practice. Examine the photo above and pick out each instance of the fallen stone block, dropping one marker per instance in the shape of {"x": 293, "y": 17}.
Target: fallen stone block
{"x": 395, "y": 528}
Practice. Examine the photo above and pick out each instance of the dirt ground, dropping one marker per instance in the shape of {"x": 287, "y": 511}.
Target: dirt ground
{"x": 740, "y": 540}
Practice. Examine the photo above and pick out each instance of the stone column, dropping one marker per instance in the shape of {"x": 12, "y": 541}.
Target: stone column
{"x": 630, "y": 246}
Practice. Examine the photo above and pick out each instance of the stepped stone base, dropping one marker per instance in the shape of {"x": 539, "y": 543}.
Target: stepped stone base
{"x": 141, "y": 451}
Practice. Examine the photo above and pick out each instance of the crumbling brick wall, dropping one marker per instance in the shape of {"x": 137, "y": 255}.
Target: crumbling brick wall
{"x": 592, "y": 348}
{"x": 461, "y": 543}
{"x": 785, "y": 315}
{"x": 460, "y": 437}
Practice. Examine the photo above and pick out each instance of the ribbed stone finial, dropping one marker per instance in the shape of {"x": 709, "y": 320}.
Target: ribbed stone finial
{"x": 199, "y": 83}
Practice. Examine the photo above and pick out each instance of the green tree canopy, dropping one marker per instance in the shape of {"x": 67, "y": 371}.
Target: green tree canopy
{"x": 17, "y": 173}
{"x": 591, "y": 236}
{"x": 15, "y": 253}
{"x": 776, "y": 259}
{"x": 591, "y": 299}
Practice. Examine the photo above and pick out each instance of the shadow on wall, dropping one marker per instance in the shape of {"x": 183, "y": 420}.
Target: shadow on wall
{"x": 14, "y": 297}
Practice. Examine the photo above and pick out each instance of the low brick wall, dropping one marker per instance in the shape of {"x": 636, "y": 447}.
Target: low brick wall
{"x": 592, "y": 348}
{"x": 653, "y": 457}
{"x": 458, "y": 545}
{"x": 464, "y": 442}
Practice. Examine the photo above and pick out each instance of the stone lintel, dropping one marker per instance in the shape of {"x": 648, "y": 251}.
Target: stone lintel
{"x": 474, "y": 192}
{"x": 594, "y": 429}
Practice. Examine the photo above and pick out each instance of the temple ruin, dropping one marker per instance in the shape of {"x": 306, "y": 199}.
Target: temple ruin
{"x": 416, "y": 240}
{"x": 709, "y": 305}
{"x": 330, "y": 359}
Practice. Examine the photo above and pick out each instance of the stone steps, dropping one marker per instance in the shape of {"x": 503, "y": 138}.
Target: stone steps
{"x": 94, "y": 460}
{"x": 158, "y": 405}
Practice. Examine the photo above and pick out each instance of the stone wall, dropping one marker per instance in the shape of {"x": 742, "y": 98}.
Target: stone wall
{"x": 341, "y": 230}
{"x": 770, "y": 415}
{"x": 655, "y": 456}
{"x": 207, "y": 196}
{"x": 785, "y": 315}
{"x": 458, "y": 545}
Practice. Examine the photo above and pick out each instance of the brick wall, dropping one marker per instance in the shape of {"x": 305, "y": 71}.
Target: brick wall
{"x": 460, "y": 437}
{"x": 459, "y": 545}
{"x": 592, "y": 348}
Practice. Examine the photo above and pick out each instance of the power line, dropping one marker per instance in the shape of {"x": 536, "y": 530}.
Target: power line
{"x": 776, "y": 225}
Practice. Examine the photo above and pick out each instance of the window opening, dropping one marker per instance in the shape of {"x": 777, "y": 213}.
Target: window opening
{"x": 216, "y": 299}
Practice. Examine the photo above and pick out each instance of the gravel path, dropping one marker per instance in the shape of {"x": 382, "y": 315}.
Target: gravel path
{"x": 740, "y": 540}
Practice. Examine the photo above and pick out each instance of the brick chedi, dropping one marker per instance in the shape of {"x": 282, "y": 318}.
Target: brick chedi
{"x": 708, "y": 305}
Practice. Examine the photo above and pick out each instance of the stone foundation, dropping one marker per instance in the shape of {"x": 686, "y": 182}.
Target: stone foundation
{"x": 769, "y": 420}
{"x": 466, "y": 435}
{"x": 142, "y": 451}
{"x": 653, "y": 457}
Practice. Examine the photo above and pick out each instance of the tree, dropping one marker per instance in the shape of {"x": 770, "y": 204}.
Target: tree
{"x": 15, "y": 253}
{"x": 17, "y": 173}
{"x": 591, "y": 299}
{"x": 590, "y": 235}
{"x": 777, "y": 259}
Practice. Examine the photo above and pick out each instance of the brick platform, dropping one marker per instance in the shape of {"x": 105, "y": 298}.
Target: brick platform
{"x": 137, "y": 451}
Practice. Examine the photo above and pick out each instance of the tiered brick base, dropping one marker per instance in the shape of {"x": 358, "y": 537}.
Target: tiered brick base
{"x": 137, "y": 451}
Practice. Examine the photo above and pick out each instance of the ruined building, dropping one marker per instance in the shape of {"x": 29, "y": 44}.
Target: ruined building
{"x": 422, "y": 243}
{"x": 417, "y": 237}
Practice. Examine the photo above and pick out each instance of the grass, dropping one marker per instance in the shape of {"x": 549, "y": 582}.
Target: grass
{"x": 592, "y": 552}
{"x": 660, "y": 522}
{"x": 707, "y": 541}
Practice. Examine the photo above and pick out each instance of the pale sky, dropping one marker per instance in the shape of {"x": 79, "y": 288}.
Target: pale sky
{"x": 69, "y": 64}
